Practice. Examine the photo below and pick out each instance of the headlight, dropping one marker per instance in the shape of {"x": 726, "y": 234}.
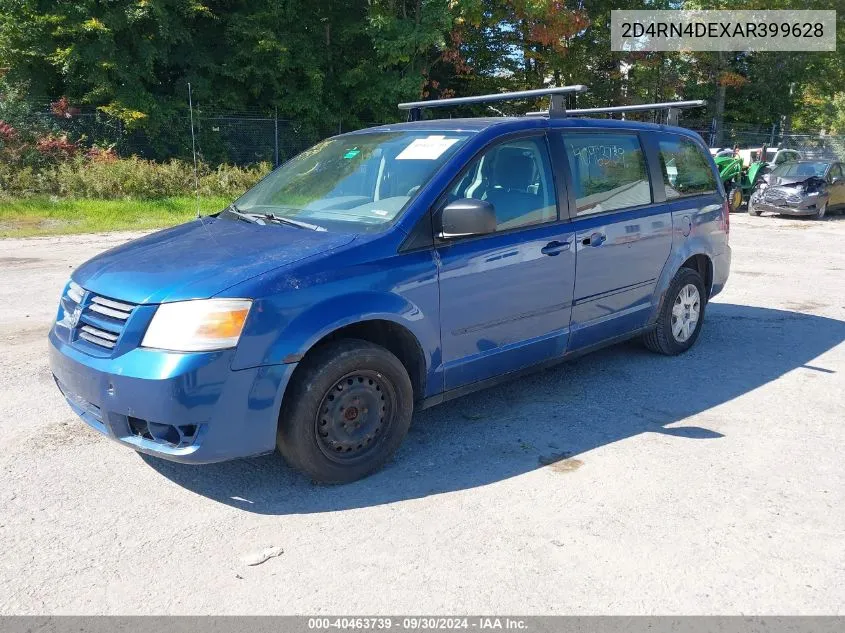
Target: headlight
{"x": 197, "y": 326}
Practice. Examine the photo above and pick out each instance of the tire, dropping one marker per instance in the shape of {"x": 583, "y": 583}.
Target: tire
{"x": 734, "y": 198}
{"x": 752, "y": 210}
{"x": 821, "y": 212}
{"x": 318, "y": 432}
{"x": 663, "y": 338}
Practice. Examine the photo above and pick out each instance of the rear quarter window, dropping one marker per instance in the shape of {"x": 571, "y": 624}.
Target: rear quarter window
{"x": 686, "y": 170}
{"x": 608, "y": 171}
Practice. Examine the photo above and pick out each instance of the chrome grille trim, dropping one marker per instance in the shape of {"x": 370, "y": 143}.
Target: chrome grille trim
{"x": 96, "y": 338}
{"x": 115, "y": 314}
{"x": 99, "y": 304}
{"x": 109, "y": 336}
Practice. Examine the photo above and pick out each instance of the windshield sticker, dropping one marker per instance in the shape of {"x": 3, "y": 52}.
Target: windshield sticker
{"x": 352, "y": 153}
{"x": 428, "y": 148}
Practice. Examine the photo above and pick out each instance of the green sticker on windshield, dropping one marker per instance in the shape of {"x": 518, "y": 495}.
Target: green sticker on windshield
{"x": 352, "y": 153}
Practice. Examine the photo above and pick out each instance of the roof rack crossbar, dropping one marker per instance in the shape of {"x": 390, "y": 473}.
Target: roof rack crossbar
{"x": 556, "y": 106}
{"x": 671, "y": 108}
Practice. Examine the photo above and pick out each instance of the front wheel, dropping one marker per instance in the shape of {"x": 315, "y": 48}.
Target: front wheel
{"x": 822, "y": 211}
{"x": 681, "y": 315}
{"x": 348, "y": 410}
{"x": 734, "y": 198}
{"x": 752, "y": 208}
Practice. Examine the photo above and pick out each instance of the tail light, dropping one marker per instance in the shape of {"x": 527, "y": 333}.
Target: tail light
{"x": 726, "y": 217}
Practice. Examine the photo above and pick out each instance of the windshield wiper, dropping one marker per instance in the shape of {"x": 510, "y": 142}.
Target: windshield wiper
{"x": 246, "y": 217}
{"x": 297, "y": 223}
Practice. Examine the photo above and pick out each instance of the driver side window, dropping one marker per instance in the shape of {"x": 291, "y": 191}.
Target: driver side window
{"x": 516, "y": 178}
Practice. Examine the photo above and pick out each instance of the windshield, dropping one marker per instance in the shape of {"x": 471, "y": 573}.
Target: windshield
{"x": 359, "y": 182}
{"x": 801, "y": 170}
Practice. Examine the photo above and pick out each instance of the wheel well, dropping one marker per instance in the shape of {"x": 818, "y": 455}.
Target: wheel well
{"x": 393, "y": 337}
{"x": 704, "y": 267}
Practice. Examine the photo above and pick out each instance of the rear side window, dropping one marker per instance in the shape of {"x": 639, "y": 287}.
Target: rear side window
{"x": 608, "y": 172}
{"x": 686, "y": 171}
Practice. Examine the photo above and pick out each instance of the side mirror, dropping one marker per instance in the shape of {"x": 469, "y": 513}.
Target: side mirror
{"x": 466, "y": 217}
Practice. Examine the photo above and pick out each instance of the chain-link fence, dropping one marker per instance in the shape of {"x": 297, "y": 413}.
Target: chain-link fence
{"x": 810, "y": 144}
{"x": 248, "y": 137}
{"x": 232, "y": 137}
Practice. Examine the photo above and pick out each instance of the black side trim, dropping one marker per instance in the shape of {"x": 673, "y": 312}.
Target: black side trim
{"x": 602, "y": 295}
{"x": 464, "y": 390}
{"x": 524, "y": 315}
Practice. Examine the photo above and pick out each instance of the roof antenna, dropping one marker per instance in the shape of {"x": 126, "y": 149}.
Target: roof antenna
{"x": 194, "y": 151}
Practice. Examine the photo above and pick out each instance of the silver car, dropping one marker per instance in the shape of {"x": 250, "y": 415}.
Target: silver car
{"x": 804, "y": 187}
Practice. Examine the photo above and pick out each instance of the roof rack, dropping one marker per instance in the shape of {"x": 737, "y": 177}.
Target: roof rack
{"x": 671, "y": 107}
{"x": 556, "y": 105}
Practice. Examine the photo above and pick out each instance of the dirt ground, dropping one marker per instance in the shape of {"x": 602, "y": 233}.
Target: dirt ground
{"x": 621, "y": 483}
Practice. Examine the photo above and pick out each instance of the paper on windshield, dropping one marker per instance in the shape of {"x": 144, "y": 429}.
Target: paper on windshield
{"x": 428, "y": 148}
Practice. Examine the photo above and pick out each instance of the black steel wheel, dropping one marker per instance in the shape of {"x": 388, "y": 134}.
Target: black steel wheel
{"x": 347, "y": 410}
{"x": 355, "y": 416}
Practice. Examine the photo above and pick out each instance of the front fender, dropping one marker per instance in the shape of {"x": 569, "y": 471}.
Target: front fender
{"x": 292, "y": 339}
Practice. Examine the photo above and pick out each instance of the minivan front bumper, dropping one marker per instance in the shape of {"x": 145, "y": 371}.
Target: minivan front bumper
{"x": 802, "y": 206}
{"x": 186, "y": 407}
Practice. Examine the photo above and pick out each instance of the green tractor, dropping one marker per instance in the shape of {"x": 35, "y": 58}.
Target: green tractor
{"x": 739, "y": 180}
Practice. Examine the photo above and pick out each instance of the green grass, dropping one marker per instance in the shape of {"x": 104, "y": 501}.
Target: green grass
{"x": 30, "y": 217}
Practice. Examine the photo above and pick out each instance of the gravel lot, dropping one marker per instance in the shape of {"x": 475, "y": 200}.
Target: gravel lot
{"x": 709, "y": 483}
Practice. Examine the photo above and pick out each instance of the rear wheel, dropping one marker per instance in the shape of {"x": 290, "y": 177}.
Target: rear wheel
{"x": 681, "y": 315}
{"x": 346, "y": 413}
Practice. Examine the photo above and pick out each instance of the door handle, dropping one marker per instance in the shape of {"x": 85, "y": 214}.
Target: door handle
{"x": 554, "y": 248}
{"x": 596, "y": 239}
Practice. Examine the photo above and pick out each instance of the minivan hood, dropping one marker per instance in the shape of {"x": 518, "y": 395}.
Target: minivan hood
{"x": 199, "y": 259}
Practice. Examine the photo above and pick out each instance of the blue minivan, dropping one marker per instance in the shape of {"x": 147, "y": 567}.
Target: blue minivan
{"x": 388, "y": 270}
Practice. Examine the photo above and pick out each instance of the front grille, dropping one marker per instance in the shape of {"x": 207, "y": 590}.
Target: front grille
{"x": 96, "y": 320}
{"x": 103, "y": 319}
{"x": 776, "y": 195}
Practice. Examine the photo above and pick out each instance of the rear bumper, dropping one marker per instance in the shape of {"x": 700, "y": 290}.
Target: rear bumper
{"x": 189, "y": 408}
{"x": 721, "y": 271}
